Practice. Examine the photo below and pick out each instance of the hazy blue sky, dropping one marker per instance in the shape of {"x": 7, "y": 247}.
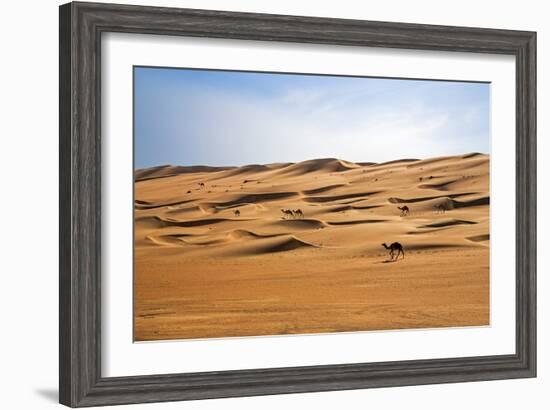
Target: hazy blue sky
{"x": 192, "y": 117}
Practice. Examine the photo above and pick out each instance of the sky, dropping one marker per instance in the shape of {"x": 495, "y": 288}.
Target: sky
{"x": 224, "y": 118}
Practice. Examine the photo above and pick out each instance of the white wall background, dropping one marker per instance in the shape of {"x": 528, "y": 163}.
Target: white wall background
{"x": 29, "y": 201}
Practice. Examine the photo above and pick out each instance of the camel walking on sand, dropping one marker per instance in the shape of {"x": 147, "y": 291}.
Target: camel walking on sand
{"x": 298, "y": 213}
{"x": 287, "y": 212}
{"x": 395, "y": 247}
{"x": 237, "y": 213}
{"x": 404, "y": 210}
{"x": 440, "y": 208}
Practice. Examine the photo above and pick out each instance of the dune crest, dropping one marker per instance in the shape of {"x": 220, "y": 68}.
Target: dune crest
{"x": 171, "y": 170}
{"x": 318, "y": 166}
{"x": 273, "y": 245}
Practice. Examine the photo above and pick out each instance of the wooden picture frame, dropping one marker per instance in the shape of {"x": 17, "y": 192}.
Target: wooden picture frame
{"x": 81, "y": 27}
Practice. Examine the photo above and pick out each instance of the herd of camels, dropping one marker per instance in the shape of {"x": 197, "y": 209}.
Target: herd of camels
{"x": 395, "y": 248}
{"x": 405, "y": 211}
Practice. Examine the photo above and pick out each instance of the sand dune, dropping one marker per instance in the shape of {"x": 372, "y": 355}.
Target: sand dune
{"x": 322, "y": 189}
{"x": 170, "y": 170}
{"x": 196, "y": 222}
{"x": 244, "y": 234}
{"x": 356, "y": 221}
{"x": 150, "y": 205}
{"x": 298, "y": 224}
{"x": 247, "y": 169}
{"x": 478, "y": 238}
{"x": 318, "y": 165}
{"x": 175, "y": 239}
{"x": 258, "y": 198}
{"x": 484, "y": 200}
{"x": 448, "y": 222}
{"x": 214, "y": 249}
{"x": 273, "y": 245}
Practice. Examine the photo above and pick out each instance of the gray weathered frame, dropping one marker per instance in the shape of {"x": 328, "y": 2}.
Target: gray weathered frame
{"x": 81, "y": 26}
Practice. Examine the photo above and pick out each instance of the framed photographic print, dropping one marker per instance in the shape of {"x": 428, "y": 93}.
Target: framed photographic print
{"x": 259, "y": 204}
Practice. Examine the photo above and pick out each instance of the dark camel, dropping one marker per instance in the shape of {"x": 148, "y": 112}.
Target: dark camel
{"x": 440, "y": 208}
{"x": 404, "y": 210}
{"x": 396, "y": 246}
{"x": 237, "y": 213}
{"x": 298, "y": 213}
{"x": 287, "y": 212}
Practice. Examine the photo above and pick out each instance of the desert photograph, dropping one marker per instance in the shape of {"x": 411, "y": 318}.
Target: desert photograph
{"x": 277, "y": 204}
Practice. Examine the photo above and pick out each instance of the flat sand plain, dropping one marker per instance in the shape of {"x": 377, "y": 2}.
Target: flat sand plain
{"x": 203, "y": 270}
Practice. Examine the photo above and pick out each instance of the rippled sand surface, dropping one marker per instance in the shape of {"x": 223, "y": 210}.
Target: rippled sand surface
{"x": 216, "y": 257}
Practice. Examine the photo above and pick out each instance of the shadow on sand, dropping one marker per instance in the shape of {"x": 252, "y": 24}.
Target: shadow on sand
{"x": 387, "y": 261}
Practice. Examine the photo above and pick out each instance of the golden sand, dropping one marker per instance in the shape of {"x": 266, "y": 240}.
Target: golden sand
{"x": 204, "y": 270}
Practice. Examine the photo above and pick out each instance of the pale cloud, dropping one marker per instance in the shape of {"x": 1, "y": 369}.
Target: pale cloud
{"x": 217, "y": 126}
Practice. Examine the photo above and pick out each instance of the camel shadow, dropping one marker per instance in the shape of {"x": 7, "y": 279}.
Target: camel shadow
{"x": 387, "y": 261}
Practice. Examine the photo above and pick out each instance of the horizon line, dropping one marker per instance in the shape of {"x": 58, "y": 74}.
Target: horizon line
{"x": 472, "y": 153}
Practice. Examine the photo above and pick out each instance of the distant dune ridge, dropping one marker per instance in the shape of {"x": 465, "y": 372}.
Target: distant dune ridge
{"x": 171, "y": 170}
{"x": 216, "y": 255}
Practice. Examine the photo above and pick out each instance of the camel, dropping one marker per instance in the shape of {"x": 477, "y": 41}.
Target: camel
{"x": 237, "y": 213}
{"x": 404, "y": 210}
{"x": 440, "y": 208}
{"x": 287, "y": 212}
{"x": 298, "y": 213}
{"x": 201, "y": 184}
{"x": 396, "y": 246}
